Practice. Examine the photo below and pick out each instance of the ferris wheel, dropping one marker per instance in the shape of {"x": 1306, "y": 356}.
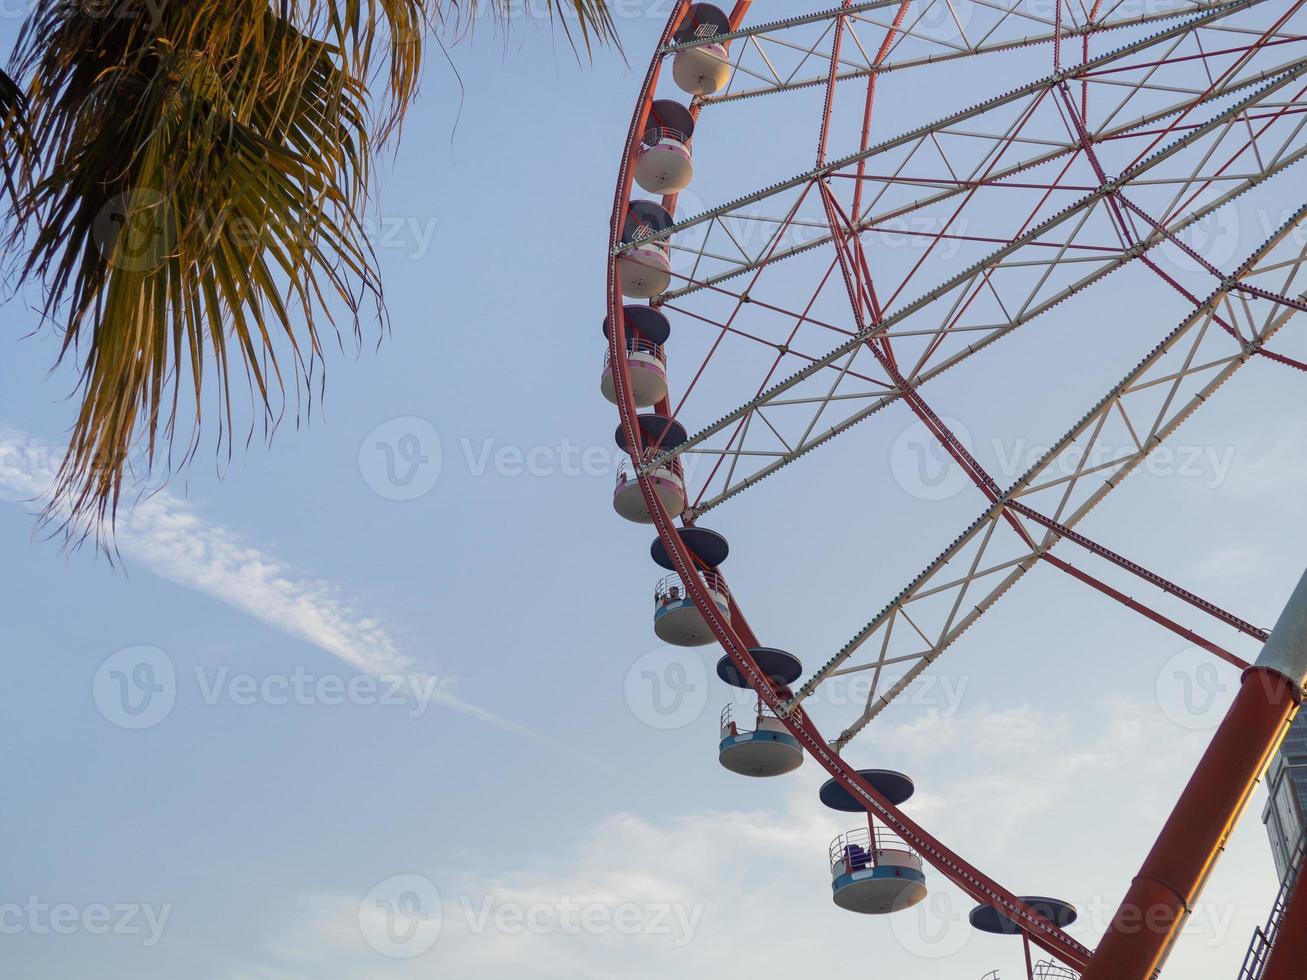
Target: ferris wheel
{"x": 1036, "y": 154}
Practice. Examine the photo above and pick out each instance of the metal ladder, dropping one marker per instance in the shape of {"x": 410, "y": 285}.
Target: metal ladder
{"x": 1263, "y": 940}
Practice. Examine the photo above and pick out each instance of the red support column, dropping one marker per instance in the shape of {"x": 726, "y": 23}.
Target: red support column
{"x": 1164, "y": 892}
{"x": 1288, "y": 959}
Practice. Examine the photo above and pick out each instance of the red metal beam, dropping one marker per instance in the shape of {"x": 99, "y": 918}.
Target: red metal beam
{"x": 857, "y": 263}
{"x": 1217, "y": 792}
{"x": 1139, "y": 607}
{"x": 1039, "y": 930}
{"x": 1172, "y": 877}
{"x": 1136, "y": 569}
{"x": 734, "y": 634}
{"x": 1118, "y": 201}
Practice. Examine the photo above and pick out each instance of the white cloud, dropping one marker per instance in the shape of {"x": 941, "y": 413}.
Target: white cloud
{"x": 706, "y": 890}
{"x": 1042, "y": 798}
{"x": 169, "y": 537}
{"x": 1061, "y": 809}
{"x": 1230, "y": 563}
{"x": 1279, "y": 466}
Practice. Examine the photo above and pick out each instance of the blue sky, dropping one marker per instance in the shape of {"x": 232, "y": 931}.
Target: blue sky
{"x": 255, "y": 822}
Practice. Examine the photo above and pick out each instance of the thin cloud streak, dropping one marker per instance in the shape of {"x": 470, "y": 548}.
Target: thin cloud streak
{"x": 166, "y": 535}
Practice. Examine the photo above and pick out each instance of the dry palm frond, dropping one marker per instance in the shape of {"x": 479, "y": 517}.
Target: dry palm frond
{"x": 13, "y": 134}
{"x": 594, "y": 18}
{"x": 195, "y": 201}
{"x": 196, "y": 205}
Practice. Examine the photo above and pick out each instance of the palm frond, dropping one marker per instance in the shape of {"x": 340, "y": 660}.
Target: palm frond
{"x": 594, "y": 18}
{"x": 194, "y": 202}
{"x": 196, "y": 207}
{"x": 13, "y": 134}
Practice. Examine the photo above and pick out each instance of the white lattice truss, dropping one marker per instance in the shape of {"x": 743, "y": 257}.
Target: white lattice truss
{"x": 1200, "y": 104}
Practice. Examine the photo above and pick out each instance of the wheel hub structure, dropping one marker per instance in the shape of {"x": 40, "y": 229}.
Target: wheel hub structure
{"x": 825, "y": 219}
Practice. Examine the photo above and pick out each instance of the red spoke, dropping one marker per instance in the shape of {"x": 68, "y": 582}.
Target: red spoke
{"x": 1022, "y": 206}
{"x": 1261, "y": 42}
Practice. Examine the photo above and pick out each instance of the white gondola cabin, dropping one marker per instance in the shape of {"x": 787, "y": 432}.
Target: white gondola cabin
{"x": 646, "y": 331}
{"x": 668, "y": 484}
{"x": 703, "y": 66}
{"x": 645, "y": 266}
{"x": 664, "y": 163}
{"x": 677, "y": 620}
{"x": 873, "y": 871}
{"x": 657, "y": 435}
{"x": 768, "y": 748}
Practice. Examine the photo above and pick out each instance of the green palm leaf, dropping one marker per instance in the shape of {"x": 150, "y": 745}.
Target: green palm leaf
{"x": 195, "y": 209}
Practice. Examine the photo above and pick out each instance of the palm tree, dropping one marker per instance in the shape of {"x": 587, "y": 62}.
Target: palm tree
{"x": 192, "y": 202}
